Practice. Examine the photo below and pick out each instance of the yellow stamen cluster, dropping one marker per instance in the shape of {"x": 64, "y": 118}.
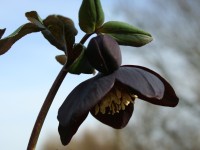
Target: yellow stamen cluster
{"x": 117, "y": 99}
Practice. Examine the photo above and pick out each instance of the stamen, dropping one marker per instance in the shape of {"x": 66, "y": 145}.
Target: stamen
{"x": 118, "y": 93}
{"x": 96, "y": 109}
{"x": 115, "y": 101}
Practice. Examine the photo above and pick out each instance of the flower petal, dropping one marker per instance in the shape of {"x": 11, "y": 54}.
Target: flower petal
{"x": 83, "y": 98}
{"x": 118, "y": 120}
{"x": 148, "y": 85}
{"x": 67, "y": 132}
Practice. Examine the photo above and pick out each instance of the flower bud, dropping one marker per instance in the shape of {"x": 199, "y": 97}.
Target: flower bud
{"x": 104, "y": 54}
{"x": 91, "y": 15}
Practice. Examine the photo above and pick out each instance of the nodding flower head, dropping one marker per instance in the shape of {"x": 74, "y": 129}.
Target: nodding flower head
{"x": 110, "y": 98}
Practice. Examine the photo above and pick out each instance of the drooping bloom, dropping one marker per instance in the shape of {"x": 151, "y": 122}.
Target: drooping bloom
{"x": 110, "y": 95}
{"x": 110, "y": 98}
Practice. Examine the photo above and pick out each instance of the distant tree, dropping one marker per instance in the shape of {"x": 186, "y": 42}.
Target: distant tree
{"x": 175, "y": 52}
{"x": 99, "y": 139}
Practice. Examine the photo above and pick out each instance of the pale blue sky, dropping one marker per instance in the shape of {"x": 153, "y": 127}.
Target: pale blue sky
{"x": 28, "y": 70}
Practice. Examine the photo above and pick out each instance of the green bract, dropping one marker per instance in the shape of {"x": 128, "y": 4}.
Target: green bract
{"x": 60, "y": 32}
{"x": 126, "y": 34}
{"x": 80, "y": 65}
{"x": 91, "y": 15}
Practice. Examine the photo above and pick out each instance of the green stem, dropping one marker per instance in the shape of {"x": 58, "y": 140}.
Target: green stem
{"x": 45, "y": 107}
{"x": 84, "y": 39}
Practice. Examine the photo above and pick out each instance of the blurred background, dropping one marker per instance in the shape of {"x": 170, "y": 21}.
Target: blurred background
{"x": 28, "y": 70}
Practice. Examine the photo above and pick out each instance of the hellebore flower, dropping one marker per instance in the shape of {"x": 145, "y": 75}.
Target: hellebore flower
{"x": 110, "y": 95}
{"x": 110, "y": 98}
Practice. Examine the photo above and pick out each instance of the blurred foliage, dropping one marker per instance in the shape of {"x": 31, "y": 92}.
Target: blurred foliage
{"x": 98, "y": 139}
{"x": 175, "y": 52}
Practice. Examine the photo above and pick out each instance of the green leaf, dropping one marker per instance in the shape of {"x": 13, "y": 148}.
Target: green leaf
{"x": 7, "y": 42}
{"x": 91, "y": 15}
{"x": 81, "y": 64}
{"x": 126, "y": 34}
{"x": 60, "y": 32}
{"x": 2, "y": 32}
{"x": 33, "y": 17}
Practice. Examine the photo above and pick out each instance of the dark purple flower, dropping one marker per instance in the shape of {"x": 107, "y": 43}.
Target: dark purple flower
{"x": 110, "y": 98}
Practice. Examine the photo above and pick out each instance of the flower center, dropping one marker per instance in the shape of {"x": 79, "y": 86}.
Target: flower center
{"x": 114, "y": 101}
